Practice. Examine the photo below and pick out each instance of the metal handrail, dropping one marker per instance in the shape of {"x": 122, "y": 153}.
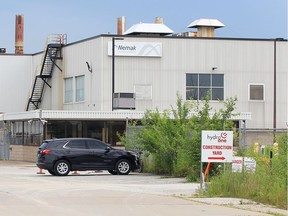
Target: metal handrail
{"x": 56, "y": 39}
{"x": 51, "y": 39}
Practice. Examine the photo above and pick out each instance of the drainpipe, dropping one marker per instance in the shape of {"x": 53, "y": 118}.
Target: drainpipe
{"x": 275, "y": 89}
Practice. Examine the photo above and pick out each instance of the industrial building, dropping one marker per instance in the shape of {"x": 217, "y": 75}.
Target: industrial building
{"x": 94, "y": 87}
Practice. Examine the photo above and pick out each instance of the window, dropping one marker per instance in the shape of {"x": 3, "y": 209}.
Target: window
{"x": 76, "y": 144}
{"x": 143, "y": 92}
{"x": 199, "y": 85}
{"x": 68, "y": 92}
{"x": 256, "y": 92}
{"x": 79, "y": 80}
{"x": 94, "y": 144}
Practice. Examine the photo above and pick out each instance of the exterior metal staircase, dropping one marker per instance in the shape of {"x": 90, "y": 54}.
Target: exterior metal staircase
{"x": 51, "y": 54}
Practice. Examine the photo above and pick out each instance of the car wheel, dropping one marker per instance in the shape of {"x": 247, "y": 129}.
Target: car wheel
{"x": 123, "y": 167}
{"x": 112, "y": 172}
{"x": 51, "y": 172}
{"x": 62, "y": 168}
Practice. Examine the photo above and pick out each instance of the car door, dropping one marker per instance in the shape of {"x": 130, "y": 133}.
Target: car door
{"x": 79, "y": 154}
{"x": 100, "y": 154}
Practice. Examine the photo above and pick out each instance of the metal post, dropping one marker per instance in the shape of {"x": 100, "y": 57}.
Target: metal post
{"x": 244, "y": 129}
{"x": 275, "y": 88}
{"x": 23, "y": 132}
{"x": 201, "y": 176}
{"x": 274, "y": 95}
{"x": 240, "y": 134}
{"x": 113, "y": 67}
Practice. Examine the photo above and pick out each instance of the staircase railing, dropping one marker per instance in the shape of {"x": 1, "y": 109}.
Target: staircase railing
{"x": 51, "y": 54}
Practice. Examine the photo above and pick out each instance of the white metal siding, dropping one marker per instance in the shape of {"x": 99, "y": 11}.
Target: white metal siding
{"x": 241, "y": 61}
{"x": 15, "y": 82}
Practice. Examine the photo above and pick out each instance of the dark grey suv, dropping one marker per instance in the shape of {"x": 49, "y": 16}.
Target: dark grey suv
{"x": 60, "y": 156}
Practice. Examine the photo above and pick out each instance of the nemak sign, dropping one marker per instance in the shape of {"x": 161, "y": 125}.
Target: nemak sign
{"x": 144, "y": 49}
{"x": 217, "y": 146}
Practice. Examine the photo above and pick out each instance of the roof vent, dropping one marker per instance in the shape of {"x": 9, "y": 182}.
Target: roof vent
{"x": 206, "y": 27}
{"x": 147, "y": 29}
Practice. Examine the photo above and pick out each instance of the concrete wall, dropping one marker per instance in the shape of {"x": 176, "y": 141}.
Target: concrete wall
{"x": 23, "y": 153}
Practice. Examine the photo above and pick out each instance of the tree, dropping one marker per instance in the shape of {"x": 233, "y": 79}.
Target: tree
{"x": 173, "y": 137}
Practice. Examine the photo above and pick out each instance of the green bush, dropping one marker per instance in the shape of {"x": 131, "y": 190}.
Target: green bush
{"x": 173, "y": 137}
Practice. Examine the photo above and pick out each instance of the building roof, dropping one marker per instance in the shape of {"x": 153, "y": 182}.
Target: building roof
{"x": 149, "y": 28}
{"x": 206, "y": 22}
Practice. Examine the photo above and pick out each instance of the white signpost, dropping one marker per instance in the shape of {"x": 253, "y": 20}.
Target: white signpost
{"x": 237, "y": 164}
{"x": 217, "y": 146}
{"x": 249, "y": 164}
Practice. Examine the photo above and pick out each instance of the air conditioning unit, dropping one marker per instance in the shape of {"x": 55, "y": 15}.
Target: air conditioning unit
{"x": 2, "y": 50}
{"x": 124, "y": 100}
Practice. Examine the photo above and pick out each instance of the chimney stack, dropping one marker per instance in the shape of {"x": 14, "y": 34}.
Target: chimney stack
{"x": 159, "y": 20}
{"x": 19, "y": 34}
{"x": 121, "y": 25}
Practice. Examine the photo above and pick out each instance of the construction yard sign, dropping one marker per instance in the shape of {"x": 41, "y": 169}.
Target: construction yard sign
{"x": 217, "y": 146}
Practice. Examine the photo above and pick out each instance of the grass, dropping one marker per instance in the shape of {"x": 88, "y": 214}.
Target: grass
{"x": 266, "y": 186}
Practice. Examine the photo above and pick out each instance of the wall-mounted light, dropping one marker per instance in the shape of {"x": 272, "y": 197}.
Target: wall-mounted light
{"x": 89, "y": 67}
{"x": 43, "y": 122}
{"x": 214, "y": 68}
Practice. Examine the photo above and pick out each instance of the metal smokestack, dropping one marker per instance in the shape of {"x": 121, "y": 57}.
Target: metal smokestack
{"x": 19, "y": 34}
{"x": 121, "y": 25}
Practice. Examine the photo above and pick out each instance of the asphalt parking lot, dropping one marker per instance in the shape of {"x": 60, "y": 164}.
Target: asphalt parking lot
{"x": 24, "y": 192}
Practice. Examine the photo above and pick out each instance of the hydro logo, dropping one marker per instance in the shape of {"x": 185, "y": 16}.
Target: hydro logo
{"x": 221, "y": 139}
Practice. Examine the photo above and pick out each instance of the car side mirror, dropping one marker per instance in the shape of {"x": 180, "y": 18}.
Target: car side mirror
{"x": 107, "y": 149}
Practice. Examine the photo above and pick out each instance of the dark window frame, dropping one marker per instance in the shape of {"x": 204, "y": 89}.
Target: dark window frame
{"x": 200, "y": 87}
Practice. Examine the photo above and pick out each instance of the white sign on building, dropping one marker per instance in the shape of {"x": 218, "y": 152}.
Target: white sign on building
{"x": 144, "y": 49}
{"x": 217, "y": 146}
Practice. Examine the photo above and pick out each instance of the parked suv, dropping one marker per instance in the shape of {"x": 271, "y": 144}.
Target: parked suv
{"x": 60, "y": 156}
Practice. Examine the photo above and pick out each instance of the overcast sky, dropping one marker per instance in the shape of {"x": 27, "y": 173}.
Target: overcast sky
{"x": 81, "y": 19}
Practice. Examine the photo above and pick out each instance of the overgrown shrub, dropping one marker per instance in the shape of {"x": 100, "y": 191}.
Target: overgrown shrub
{"x": 267, "y": 185}
{"x": 173, "y": 137}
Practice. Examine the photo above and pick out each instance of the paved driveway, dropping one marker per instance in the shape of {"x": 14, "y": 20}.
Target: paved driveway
{"x": 23, "y": 192}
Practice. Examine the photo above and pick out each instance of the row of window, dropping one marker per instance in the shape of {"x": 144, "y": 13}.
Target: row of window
{"x": 85, "y": 144}
{"x": 198, "y": 86}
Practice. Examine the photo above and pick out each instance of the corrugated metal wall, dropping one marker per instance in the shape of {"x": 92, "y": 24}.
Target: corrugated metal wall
{"x": 241, "y": 61}
{"x": 15, "y": 82}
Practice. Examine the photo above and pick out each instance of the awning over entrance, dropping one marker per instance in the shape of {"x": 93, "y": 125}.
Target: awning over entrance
{"x": 45, "y": 115}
